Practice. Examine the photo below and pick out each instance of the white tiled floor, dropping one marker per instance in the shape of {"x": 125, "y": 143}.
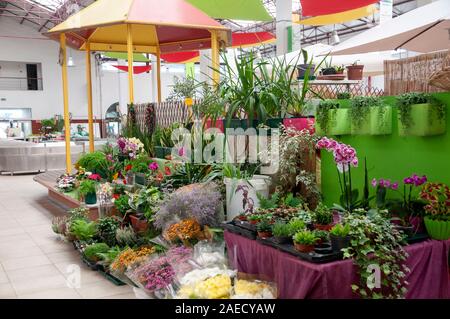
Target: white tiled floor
{"x": 33, "y": 261}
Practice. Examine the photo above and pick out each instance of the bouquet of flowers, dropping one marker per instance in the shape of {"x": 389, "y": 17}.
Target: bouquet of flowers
{"x": 253, "y": 289}
{"x": 130, "y": 147}
{"x": 185, "y": 231}
{"x": 66, "y": 183}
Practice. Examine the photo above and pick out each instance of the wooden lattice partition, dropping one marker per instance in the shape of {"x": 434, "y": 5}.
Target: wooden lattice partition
{"x": 412, "y": 74}
{"x": 330, "y": 91}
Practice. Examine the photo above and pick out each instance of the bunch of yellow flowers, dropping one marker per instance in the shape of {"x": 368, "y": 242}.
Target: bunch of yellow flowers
{"x": 217, "y": 287}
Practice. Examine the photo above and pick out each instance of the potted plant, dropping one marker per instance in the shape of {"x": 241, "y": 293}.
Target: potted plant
{"x": 140, "y": 168}
{"x": 87, "y": 189}
{"x": 380, "y": 118}
{"x": 254, "y": 219}
{"x": 437, "y": 219}
{"x": 144, "y": 203}
{"x": 360, "y": 114}
{"x": 304, "y": 241}
{"x": 307, "y": 69}
{"x": 91, "y": 252}
{"x": 323, "y": 218}
{"x": 420, "y": 114}
{"x": 282, "y": 233}
{"x": 331, "y": 119}
{"x": 339, "y": 69}
{"x": 264, "y": 229}
{"x": 355, "y": 71}
{"x": 322, "y": 236}
{"x": 296, "y": 225}
{"x": 122, "y": 205}
{"x": 162, "y": 140}
{"x": 339, "y": 236}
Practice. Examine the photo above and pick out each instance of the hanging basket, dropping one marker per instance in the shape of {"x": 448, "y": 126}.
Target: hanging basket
{"x": 381, "y": 120}
{"x": 422, "y": 124}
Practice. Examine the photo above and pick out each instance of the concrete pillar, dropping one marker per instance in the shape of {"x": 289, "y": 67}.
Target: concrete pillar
{"x": 205, "y": 66}
{"x": 283, "y": 21}
{"x": 123, "y": 88}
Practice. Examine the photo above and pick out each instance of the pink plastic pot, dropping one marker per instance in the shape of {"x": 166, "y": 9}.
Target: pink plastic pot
{"x": 300, "y": 123}
{"x": 218, "y": 124}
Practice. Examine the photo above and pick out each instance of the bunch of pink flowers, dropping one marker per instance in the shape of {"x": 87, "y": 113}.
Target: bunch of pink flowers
{"x": 386, "y": 183}
{"x": 344, "y": 155}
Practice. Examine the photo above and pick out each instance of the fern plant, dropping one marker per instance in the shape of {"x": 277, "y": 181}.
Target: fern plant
{"x": 268, "y": 203}
{"x": 83, "y": 230}
{"x": 95, "y": 162}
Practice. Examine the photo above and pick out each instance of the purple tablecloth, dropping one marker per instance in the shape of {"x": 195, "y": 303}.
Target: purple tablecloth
{"x": 297, "y": 279}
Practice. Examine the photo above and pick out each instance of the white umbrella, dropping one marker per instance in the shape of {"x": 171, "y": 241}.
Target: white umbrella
{"x": 425, "y": 29}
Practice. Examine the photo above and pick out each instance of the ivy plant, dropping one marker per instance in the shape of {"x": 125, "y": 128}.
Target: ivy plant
{"x": 360, "y": 109}
{"x": 323, "y": 115}
{"x": 437, "y": 110}
{"x": 376, "y": 245}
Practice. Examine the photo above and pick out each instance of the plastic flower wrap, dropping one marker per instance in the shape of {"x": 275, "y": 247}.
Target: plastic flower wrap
{"x": 206, "y": 283}
{"x": 208, "y": 254}
{"x": 253, "y": 289}
{"x": 157, "y": 273}
{"x": 184, "y": 231}
{"x": 130, "y": 147}
{"x": 129, "y": 257}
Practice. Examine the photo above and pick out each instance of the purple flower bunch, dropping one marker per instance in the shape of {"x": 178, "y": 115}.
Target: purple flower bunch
{"x": 385, "y": 183}
{"x": 130, "y": 147}
{"x": 344, "y": 155}
{"x": 415, "y": 180}
{"x": 160, "y": 278}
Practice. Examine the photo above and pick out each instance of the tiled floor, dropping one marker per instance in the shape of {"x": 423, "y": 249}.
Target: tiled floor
{"x": 34, "y": 263}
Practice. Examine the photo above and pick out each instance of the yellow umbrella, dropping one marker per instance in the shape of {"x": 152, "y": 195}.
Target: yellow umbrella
{"x": 145, "y": 26}
{"x": 337, "y": 18}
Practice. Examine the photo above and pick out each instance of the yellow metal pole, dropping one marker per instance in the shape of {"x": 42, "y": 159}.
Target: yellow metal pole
{"x": 158, "y": 73}
{"x": 62, "y": 42}
{"x": 89, "y": 97}
{"x": 130, "y": 63}
{"x": 215, "y": 57}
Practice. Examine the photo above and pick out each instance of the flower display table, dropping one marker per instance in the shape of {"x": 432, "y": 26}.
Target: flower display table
{"x": 298, "y": 279}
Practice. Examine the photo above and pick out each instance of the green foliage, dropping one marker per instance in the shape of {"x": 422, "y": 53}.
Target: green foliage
{"x": 305, "y": 237}
{"x": 404, "y": 103}
{"x": 296, "y": 225}
{"x": 108, "y": 257}
{"x": 147, "y": 200}
{"x": 163, "y": 135}
{"x": 291, "y": 201}
{"x": 87, "y": 186}
{"x": 140, "y": 164}
{"x": 92, "y": 252}
{"x": 321, "y": 234}
{"x": 106, "y": 230}
{"x": 126, "y": 237}
{"x": 360, "y": 109}
{"x": 239, "y": 171}
{"x": 280, "y": 229}
{"x": 264, "y": 226}
{"x": 122, "y": 204}
{"x": 340, "y": 230}
{"x": 343, "y": 96}
{"x": 183, "y": 88}
{"x": 373, "y": 233}
{"x": 323, "y": 113}
{"x": 323, "y": 215}
{"x": 94, "y": 162}
{"x": 268, "y": 203}
{"x": 82, "y": 229}
{"x": 191, "y": 173}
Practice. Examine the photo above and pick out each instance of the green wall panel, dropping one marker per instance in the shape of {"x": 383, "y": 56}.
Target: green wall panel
{"x": 392, "y": 156}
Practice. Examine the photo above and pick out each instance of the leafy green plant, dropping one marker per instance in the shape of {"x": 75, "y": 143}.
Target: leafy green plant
{"x": 340, "y": 230}
{"x": 280, "y": 229}
{"x": 296, "y": 225}
{"x": 82, "y": 229}
{"x": 343, "y": 96}
{"x": 94, "y": 162}
{"x": 291, "y": 201}
{"x": 87, "y": 186}
{"x": 323, "y": 215}
{"x": 122, "y": 204}
{"x": 264, "y": 226}
{"x": 190, "y": 173}
{"x": 360, "y": 109}
{"x": 323, "y": 113}
{"x": 147, "y": 201}
{"x": 126, "y": 237}
{"x": 183, "y": 88}
{"x": 305, "y": 237}
{"x": 140, "y": 164}
{"x": 405, "y": 101}
{"x": 106, "y": 230}
{"x": 108, "y": 257}
{"x": 268, "y": 203}
{"x": 375, "y": 242}
{"x": 92, "y": 252}
{"x": 254, "y": 217}
{"x": 321, "y": 234}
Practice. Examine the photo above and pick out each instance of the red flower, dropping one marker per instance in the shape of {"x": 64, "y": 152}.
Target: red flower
{"x": 116, "y": 196}
{"x": 128, "y": 167}
{"x": 167, "y": 170}
{"x": 159, "y": 177}
{"x": 95, "y": 177}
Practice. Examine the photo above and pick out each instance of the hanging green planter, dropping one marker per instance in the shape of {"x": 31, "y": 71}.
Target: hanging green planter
{"x": 360, "y": 113}
{"x": 363, "y": 128}
{"x": 424, "y": 121}
{"x": 381, "y": 120}
{"x": 340, "y": 124}
{"x": 438, "y": 229}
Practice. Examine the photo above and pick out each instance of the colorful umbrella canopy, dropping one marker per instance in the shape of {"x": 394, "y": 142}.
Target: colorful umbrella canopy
{"x": 137, "y": 57}
{"x": 171, "y": 26}
{"x": 337, "y": 18}
{"x": 136, "y": 69}
{"x": 233, "y": 9}
{"x": 321, "y": 7}
{"x": 181, "y": 57}
{"x": 242, "y": 40}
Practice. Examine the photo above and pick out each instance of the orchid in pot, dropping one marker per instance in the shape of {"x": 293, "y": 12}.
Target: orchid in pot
{"x": 406, "y": 210}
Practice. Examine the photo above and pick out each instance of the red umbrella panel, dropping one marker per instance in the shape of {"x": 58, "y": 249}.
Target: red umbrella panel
{"x": 136, "y": 69}
{"x": 181, "y": 57}
{"x": 242, "y": 40}
{"x": 315, "y": 8}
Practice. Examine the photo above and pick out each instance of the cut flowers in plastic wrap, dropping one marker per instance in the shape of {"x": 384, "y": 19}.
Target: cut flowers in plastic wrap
{"x": 206, "y": 283}
{"x": 66, "y": 183}
{"x": 253, "y": 289}
{"x": 185, "y": 231}
{"x": 130, "y": 147}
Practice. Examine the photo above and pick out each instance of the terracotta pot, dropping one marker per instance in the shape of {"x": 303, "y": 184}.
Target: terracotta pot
{"x": 264, "y": 234}
{"x": 254, "y": 222}
{"x": 303, "y": 248}
{"x": 242, "y": 218}
{"x": 139, "y": 225}
{"x": 323, "y": 227}
{"x": 355, "y": 72}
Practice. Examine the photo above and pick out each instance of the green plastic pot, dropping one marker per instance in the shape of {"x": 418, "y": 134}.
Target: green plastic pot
{"x": 363, "y": 129}
{"x": 381, "y": 125}
{"x": 274, "y": 123}
{"x": 90, "y": 199}
{"x": 162, "y": 152}
{"x": 340, "y": 123}
{"x": 139, "y": 178}
{"x": 420, "y": 126}
{"x": 438, "y": 229}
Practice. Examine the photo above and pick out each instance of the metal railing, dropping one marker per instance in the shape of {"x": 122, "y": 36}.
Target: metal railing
{"x": 8, "y": 83}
